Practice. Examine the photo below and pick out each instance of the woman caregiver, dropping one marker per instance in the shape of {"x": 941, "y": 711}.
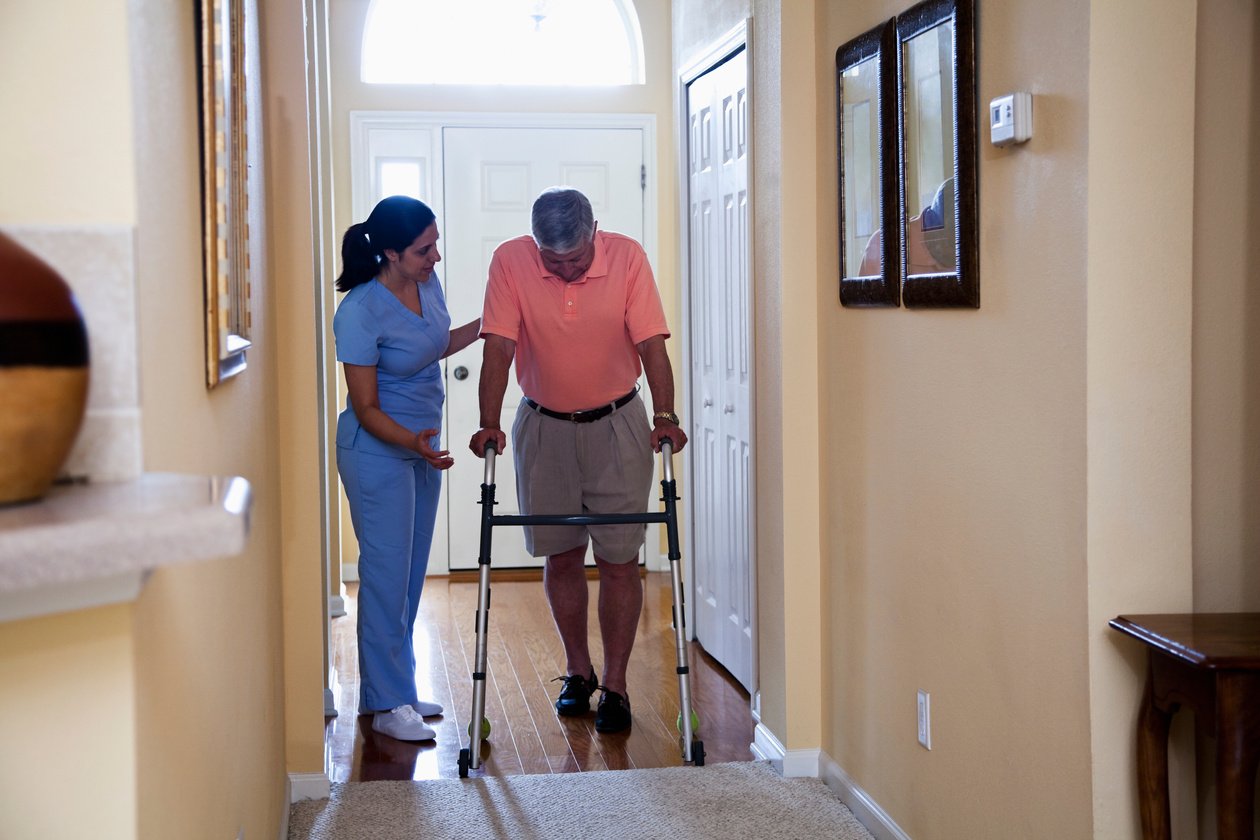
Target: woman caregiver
{"x": 392, "y": 329}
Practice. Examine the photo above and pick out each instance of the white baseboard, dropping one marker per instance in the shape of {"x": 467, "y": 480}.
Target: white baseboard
{"x": 349, "y": 572}
{"x": 336, "y": 606}
{"x": 308, "y": 786}
{"x": 814, "y": 763}
{"x": 789, "y": 763}
{"x": 766, "y": 747}
{"x": 865, "y": 808}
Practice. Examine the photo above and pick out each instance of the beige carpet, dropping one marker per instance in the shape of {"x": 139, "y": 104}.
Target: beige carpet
{"x": 734, "y": 800}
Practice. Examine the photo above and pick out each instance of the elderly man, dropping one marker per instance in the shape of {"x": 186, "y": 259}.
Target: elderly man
{"x": 579, "y": 311}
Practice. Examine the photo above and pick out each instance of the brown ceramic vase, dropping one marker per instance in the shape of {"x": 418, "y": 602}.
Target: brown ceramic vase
{"x": 43, "y": 373}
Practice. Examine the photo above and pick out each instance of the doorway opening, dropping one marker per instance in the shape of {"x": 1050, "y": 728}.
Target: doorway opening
{"x": 480, "y": 173}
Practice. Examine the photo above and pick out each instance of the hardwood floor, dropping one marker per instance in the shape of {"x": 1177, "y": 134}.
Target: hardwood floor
{"x": 524, "y": 656}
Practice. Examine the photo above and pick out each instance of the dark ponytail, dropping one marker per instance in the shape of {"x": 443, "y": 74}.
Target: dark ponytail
{"x": 358, "y": 262}
{"x": 393, "y": 225}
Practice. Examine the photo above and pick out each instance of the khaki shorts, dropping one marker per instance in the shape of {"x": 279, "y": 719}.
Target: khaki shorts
{"x": 584, "y": 468}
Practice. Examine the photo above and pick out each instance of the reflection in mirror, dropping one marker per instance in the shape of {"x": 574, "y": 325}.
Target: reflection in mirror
{"x": 866, "y": 127}
{"x": 861, "y": 163}
{"x": 937, "y": 177}
{"x": 927, "y": 192}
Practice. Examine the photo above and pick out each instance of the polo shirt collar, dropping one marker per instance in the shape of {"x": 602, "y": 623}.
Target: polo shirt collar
{"x": 599, "y": 263}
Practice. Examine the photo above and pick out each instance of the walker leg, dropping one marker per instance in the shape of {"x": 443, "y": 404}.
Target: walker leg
{"x": 472, "y": 758}
{"x": 683, "y": 669}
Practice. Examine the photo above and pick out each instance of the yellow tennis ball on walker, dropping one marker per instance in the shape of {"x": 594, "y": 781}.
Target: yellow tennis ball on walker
{"x": 485, "y": 728}
{"x": 695, "y": 721}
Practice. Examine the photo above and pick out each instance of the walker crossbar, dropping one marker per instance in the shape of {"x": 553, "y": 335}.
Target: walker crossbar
{"x": 692, "y": 750}
{"x": 582, "y": 519}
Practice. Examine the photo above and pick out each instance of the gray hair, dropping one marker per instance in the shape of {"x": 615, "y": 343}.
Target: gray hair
{"x": 562, "y": 220}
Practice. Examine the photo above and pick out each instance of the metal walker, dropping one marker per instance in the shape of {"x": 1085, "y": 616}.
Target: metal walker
{"x": 692, "y": 749}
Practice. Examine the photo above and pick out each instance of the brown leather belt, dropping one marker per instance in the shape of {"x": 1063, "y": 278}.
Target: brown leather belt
{"x": 589, "y": 415}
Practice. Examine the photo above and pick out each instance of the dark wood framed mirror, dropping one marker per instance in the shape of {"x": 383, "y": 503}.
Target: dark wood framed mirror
{"x": 937, "y": 175}
{"x": 866, "y": 131}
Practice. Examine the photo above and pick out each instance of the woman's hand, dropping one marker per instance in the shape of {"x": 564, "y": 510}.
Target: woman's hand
{"x": 439, "y": 459}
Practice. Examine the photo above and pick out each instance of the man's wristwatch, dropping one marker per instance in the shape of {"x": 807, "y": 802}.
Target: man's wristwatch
{"x": 668, "y": 416}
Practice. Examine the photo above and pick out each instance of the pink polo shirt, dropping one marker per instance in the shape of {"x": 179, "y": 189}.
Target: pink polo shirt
{"x": 575, "y": 342}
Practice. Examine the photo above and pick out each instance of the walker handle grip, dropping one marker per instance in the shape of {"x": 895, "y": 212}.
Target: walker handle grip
{"x": 667, "y": 459}
{"x": 490, "y": 452}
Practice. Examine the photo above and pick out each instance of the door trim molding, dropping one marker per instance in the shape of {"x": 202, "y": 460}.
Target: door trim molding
{"x": 736, "y": 39}
{"x": 363, "y": 123}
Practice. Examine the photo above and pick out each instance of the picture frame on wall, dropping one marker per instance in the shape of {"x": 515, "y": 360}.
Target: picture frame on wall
{"x": 907, "y": 161}
{"x": 866, "y": 131}
{"x": 938, "y": 167}
{"x": 225, "y": 185}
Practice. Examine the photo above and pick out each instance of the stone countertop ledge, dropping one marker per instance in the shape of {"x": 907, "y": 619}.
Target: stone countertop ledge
{"x": 88, "y": 545}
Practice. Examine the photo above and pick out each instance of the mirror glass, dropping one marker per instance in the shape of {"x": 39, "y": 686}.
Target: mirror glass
{"x": 928, "y": 194}
{"x": 866, "y": 126}
{"x": 936, "y": 185}
{"x": 859, "y": 97}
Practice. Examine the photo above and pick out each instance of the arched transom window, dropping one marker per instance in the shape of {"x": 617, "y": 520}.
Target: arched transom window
{"x": 502, "y": 42}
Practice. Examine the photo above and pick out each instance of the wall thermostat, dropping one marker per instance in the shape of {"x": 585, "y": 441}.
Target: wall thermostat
{"x": 1010, "y": 119}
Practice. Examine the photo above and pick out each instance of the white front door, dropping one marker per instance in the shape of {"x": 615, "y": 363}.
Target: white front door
{"x": 721, "y": 330}
{"x": 491, "y": 176}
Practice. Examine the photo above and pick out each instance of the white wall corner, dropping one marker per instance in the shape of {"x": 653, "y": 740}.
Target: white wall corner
{"x": 865, "y": 808}
{"x": 766, "y": 747}
{"x": 304, "y": 786}
{"x": 802, "y": 764}
{"x": 791, "y": 764}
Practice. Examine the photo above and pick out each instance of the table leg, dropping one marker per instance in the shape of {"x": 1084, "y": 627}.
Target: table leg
{"x": 1237, "y": 751}
{"x": 1152, "y": 764}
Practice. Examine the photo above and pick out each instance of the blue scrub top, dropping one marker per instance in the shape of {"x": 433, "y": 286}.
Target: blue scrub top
{"x": 372, "y": 327}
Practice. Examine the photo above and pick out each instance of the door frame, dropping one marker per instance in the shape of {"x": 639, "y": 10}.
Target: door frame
{"x": 431, "y": 124}
{"x": 736, "y": 39}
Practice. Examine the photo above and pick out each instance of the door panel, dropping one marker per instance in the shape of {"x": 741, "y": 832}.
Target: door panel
{"x": 721, "y": 364}
{"x": 491, "y": 177}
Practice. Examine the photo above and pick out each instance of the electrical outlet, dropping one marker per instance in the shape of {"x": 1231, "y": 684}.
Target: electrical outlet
{"x": 925, "y": 720}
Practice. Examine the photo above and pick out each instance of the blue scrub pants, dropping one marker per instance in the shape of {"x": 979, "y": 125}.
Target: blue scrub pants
{"x": 393, "y": 505}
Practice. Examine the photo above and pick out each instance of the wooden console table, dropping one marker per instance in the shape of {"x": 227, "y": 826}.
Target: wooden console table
{"x": 1210, "y": 662}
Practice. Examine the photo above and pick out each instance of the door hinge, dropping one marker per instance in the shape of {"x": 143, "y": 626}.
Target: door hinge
{"x": 643, "y": 177}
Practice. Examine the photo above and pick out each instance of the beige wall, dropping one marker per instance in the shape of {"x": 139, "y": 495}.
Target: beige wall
{"x": 994, "y": 484}
{"x": 1138, "y": 400}
{"x": 184, "y": 727}
{"x": 68, "y": 720}
{"x": 208, "y": 636}
{"x": 1227, "y": 308}
{"x": 65, "y": 154}
{"x": 957, "y": 477}
{"x": 297, "y": 415}
{"x": 998, "y": 483}
{"x": 1226, "y": 354}
{"x": 67, "y": 679}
